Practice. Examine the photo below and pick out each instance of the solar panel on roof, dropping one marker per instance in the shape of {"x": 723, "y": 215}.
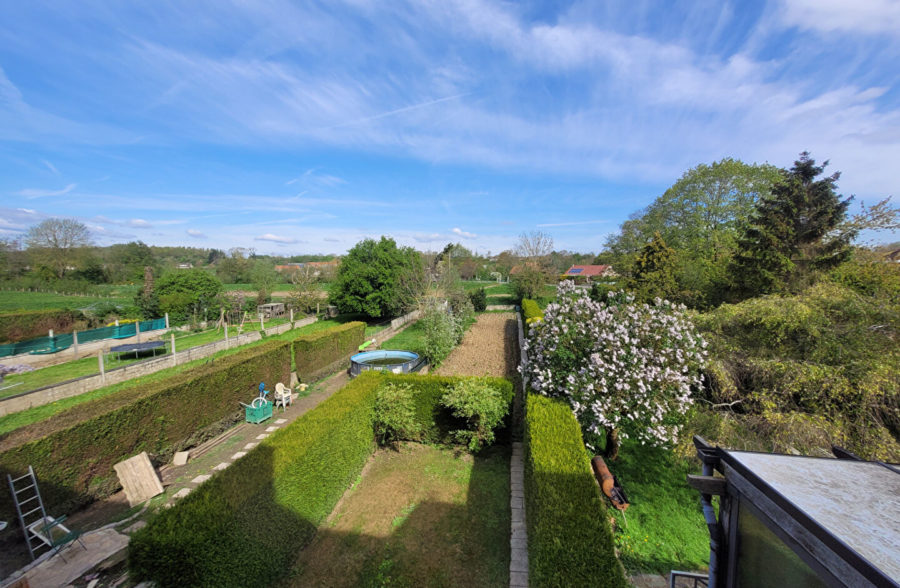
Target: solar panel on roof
{"x": 576, "y": 270}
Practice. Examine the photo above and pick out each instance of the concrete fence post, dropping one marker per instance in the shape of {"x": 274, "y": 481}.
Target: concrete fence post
{"x": 174, "y": 357}
{"x": 292, "y": 318}
{"x": 117, "y": 322}
{"x": 50, "y": 334}
{"x": 75, "y": 342}
{"x": 137, "y": 330}
{"x": 167, "y": 320}
{"x": 102, "y": 370}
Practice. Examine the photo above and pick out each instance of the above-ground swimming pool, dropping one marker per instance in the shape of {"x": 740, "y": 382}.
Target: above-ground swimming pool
{"x": 388, "y": 360}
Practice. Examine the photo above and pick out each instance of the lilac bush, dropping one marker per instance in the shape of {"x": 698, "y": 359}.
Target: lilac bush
{"x": 626, "y": 369}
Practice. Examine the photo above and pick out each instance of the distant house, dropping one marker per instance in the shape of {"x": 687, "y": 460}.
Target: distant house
{"x": 185, "y": 266}
{"x": 589, "y": 272}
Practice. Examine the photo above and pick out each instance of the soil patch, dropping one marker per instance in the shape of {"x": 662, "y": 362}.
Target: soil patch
{"x": 489, "y": 348}
{"x": 419, "y": 516}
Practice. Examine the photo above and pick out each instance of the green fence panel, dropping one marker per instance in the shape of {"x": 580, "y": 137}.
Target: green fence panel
{"x": 60, "y": 342}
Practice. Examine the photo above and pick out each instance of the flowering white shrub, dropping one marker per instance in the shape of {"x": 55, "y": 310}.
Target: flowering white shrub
{"x": 624, "y": 367}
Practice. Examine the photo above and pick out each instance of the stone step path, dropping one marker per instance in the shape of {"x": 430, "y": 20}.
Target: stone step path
{"x": 518, "y": 542}
{"x": 188, "y": 487}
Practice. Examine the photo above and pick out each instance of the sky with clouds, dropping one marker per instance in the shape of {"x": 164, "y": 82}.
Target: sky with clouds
{"x": 303, "y": 127}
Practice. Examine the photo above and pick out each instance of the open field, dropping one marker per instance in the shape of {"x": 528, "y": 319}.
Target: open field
{"x": 12, "y": 301}
{"x": 417, "y": 516}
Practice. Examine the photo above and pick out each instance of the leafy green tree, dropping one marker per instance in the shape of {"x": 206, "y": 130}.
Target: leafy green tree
{"x": 55, "y": 243}
{"x": 264, "y": 278}
{"x": 134, "y": 257}
{"x": 368, "y": 279}
{"x": 700, "y": 216}
{"x": 792, "y": 233}
{"x": 654, "y": 271}
{"x": 187, "y": 293}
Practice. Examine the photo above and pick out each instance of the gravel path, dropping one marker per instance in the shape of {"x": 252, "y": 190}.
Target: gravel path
{"x": 489, "y": 348}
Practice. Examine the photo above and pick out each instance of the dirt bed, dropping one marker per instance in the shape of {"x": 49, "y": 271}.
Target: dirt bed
{"x": 489, "y": 348}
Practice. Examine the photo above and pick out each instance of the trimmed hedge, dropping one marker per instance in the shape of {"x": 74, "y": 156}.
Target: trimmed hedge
{"x": 314, "y": 353}
{"x": 531, "y": 311}
{"x": 570, "y": 542}
{"x": 27, "y": 324}
{"x": 74, "y": 451}
{"x": 245, "y": 526}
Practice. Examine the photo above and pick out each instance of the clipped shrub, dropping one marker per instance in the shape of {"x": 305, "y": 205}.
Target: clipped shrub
{"x": 27, "y": 324}
{"x": 245, "y": 526}
{"x": 314, "y": 354}
{"x": 75, "y": 450}
{"x": 481, "y": 405}
{"x": 395, "y": 414}
{"x": 531, "y": 311}
{"x": 570, "y": 542}
{"x": 479, "y": 299}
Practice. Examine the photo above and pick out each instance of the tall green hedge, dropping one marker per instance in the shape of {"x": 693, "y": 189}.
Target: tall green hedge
{"x": 74, "y": 456}
{"x": 531, "y": 311}
{"x": 246, "y": 525}
{"x": 314, "y": 353}
{"x": 27, "y": 324}
{"x": 570, "y": 542}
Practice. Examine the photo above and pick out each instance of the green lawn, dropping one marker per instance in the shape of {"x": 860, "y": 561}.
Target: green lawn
{"x": 412, "y": 338}
{"x": 418, "y": 516}
{"x": 12, "y": 301}
{"x": 664, "y": 528}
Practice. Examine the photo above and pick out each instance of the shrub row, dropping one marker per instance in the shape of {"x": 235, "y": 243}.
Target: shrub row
{"x": 570, "y": 542}
{"x": 245, "y": 526}
{"x": 314, "y": 353}
{"x": 27, "y": 324}
{"x": 73, "y": 452}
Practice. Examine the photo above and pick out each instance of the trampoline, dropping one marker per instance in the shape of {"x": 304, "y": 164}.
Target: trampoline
{"x": 138, "y": 347}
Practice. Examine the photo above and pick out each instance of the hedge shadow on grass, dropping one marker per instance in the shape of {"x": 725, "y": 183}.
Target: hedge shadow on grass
{"x": 434, "y": 543}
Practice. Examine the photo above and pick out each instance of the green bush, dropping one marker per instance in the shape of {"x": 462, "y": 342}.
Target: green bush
{"x": 75, "y": 450}
{"x": 570, "y": 542}
{"x": 434, "y": 422}
{"x": 28, "y": 324}
{"x": 479, "y": 299}
{"x": 481, "y": 405}
{"x": 395, "y": 414}
{"x": 245, "y": 526}
{"x": 440, "y": 334}
{"x": 316, "y": 352}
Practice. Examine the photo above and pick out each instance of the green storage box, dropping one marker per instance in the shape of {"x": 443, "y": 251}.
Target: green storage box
{"x": 257, "y": 412}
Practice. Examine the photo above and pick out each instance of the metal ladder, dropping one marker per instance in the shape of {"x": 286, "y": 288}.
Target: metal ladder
{"x": 27, "y": 498}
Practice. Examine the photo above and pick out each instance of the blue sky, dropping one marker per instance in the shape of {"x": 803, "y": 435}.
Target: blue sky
{"x": 294, "y": 127}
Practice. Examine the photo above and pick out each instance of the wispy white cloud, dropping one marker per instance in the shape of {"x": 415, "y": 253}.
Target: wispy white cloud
{"x": 859, "y": 16}
{"x": 276, "y": 239}
{"x": 51, "y": 167}
{"x": 196, "y": 234}
{"x": 139, "y": 223}
{"x": 462, "y": 233}
{"x": 41, "y": 193}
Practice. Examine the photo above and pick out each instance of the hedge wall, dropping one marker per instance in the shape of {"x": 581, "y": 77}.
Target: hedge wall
{"x": 570, "y": 542}
{"x": 27, "y": 324}
{"x": 314, "y": 353}
{"x": 245, "y": 526}
{"x": 531, "y": 311}
{"x": 74, "y": 451}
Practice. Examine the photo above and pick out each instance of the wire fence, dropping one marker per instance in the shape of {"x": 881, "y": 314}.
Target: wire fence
{"x": 46, "y": 345}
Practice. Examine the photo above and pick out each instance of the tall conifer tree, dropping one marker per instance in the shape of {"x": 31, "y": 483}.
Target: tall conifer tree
{"x": 792, "y": 233}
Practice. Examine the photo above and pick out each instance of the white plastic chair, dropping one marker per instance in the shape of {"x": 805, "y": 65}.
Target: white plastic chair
{"x": 283, "y": 396}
